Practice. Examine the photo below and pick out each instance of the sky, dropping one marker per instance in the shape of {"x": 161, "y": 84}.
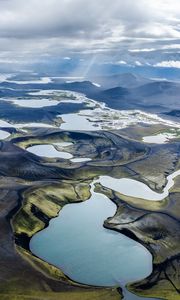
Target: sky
{"x": 120, "y": 32}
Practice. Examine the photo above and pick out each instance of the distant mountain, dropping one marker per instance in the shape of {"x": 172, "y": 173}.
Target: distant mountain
{"x": 116, "y": 92}
{"x": 126, "y": 80}
{"x": 157, "y": 88}
{"x": 174, "y": 113}
{"x": 154, "y": 96}
{"x": 157, "y": 97}
{"x": 85, "y": 87}
{"x": 139, "y": 93}
{"x": 78, "y": 86}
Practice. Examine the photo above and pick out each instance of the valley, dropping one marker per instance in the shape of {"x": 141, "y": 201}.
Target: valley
{"x": 69, "y": 157}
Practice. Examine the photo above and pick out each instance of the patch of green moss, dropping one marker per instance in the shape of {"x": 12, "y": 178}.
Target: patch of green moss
{"x": 48, "y": 201}
{"x": 163, "y": 289}
{"x": 100, "y": 294}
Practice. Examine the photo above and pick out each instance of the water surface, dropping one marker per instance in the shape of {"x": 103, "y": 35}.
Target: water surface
{"x": 35, "y": 103}
{"x": 4, "y": 134}
{"x": 137, "y": 189}
{"x": 83, "y": 249}
{"x": 160, "y": 138}
{"x": 80, "y": 159}
{"x": 77, "y": 122}
{"x": 48, "y": 151}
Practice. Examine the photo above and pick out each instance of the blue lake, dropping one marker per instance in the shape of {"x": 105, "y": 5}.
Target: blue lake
{"x": 84, "y": 250}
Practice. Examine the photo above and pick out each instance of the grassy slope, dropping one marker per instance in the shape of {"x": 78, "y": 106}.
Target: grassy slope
{"x": 49, "y": 200}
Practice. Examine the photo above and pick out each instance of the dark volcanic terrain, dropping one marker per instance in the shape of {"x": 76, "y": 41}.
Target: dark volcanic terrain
{"x": 34, "y": 189}
{"x": 26, "y": 178}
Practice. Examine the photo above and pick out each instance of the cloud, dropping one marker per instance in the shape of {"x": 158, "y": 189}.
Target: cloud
{"x": 123, "y": 31}
{"x": 121, "y": 62}
{"x": 168, "y": 64}
{"x": 142, "y": 50}
{"x": 138, "y": 63}
{"x": 172, "y": 46}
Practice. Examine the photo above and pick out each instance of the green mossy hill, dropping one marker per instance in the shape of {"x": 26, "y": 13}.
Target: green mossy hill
{"x": 44, "y": 203}
{"x": 72, "y": 295}
{"x": 163, "y": 283}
